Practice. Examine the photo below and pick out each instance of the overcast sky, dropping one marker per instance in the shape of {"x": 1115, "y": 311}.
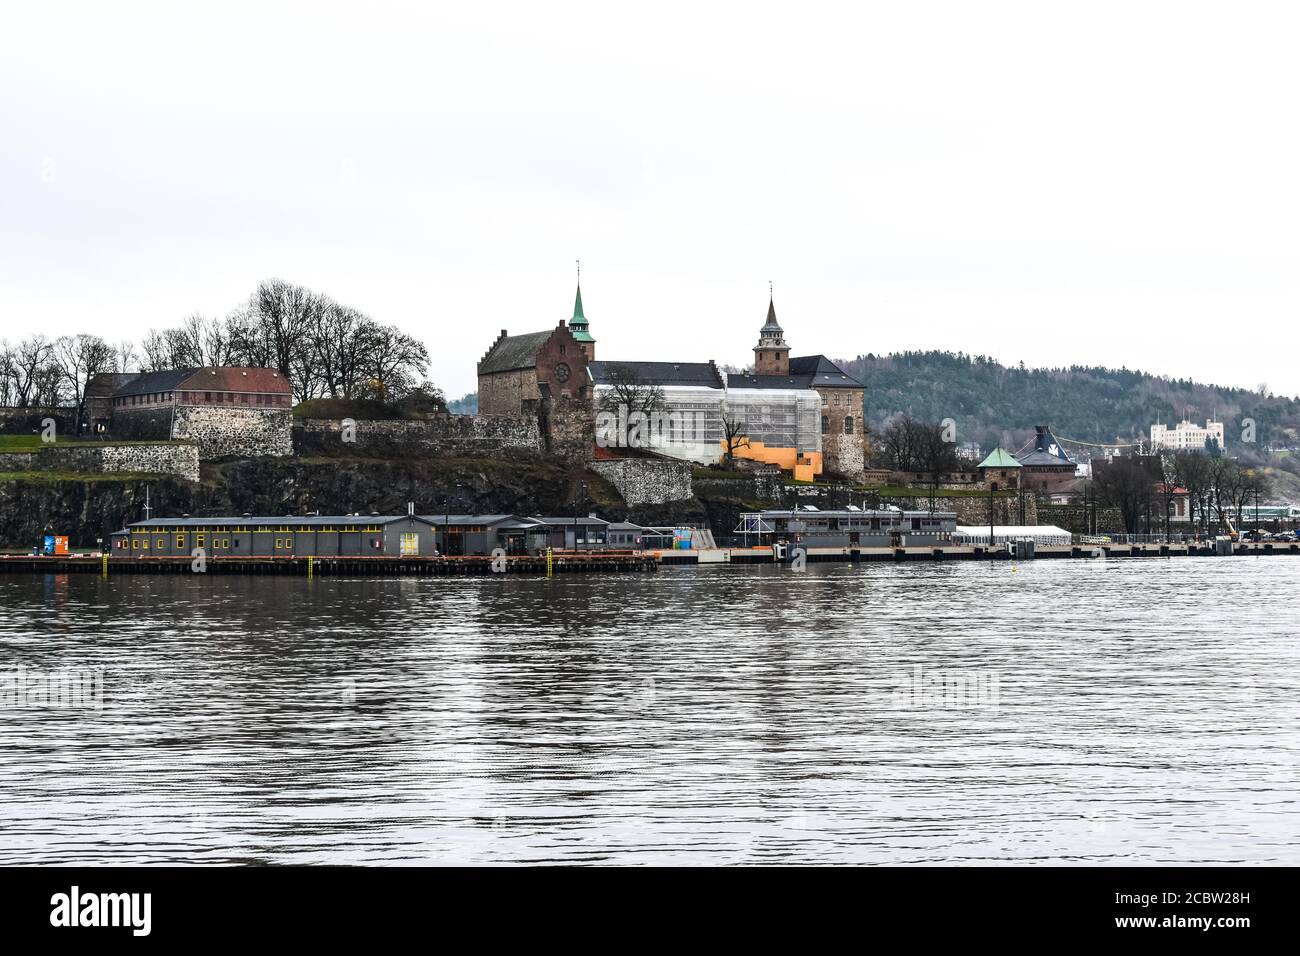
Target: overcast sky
{"x": 1055, "y": 183}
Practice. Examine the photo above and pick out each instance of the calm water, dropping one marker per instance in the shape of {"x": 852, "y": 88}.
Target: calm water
{"x": 1100, "y": 712}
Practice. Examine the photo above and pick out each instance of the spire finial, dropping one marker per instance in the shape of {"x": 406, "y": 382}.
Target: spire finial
{"x": 579, "y": 321}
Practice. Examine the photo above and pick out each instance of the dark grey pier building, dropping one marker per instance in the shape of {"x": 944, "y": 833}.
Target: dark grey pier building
{"x": 849, "y": 528}
{"x": 409, "y": 535}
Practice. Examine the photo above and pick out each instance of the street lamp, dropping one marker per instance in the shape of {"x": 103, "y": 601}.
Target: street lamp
{"x": 993, "y": 486}
{"x": 573, "y": 513}
{"x": 446, "y": 527}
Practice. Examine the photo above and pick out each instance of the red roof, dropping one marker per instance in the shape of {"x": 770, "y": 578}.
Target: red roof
{"x": 232, "y": 379}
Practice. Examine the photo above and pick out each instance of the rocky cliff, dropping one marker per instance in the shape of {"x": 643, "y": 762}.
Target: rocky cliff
{"x": 93, "y": 506}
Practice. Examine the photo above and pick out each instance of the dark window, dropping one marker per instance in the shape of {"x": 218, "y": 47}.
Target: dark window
{"x": 848, "y": 424}
{"x": 826, "y": 424}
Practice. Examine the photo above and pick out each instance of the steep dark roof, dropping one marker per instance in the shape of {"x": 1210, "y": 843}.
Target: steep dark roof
{"x": 824, "y": 372}
{"x": 220, "y": 378}
{"x": 697, "y": 374}
{"x": 510, "y": 352}
{"x": 103, "y": 384}
{"x": 771, "y": 325}
{"x": 296, "y": 521}
{"x": 1047, "y": 450}
{"x": 510, "y": 521}
{"x": 740, "y": 380}
{"x": 236, "y": 378}
{"x": 148, "y": 382}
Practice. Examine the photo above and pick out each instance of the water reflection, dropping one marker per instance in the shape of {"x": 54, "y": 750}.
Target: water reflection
{"x": 1055, "y": 711}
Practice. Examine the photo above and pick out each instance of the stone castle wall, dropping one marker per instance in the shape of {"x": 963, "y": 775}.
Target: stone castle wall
{"x": 30, "y": 420}
{"x": 180, "y": 459}
{"x": 508, "y": 394}
{"x": 145, "y": 423}
{"x": 647, "y": 481}
{"x": 844, "y": 456}
{"x": 221, "y": 432}
{"x": 468, "y": 436}
{"x": 569, "y": 425}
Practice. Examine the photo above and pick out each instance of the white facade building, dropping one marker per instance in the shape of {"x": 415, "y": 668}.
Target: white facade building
{"x": 1185, "y": 436}
{"x": 690, "y": 423}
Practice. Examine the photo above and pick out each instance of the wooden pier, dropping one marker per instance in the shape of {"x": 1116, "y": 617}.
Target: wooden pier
{"x": 586, "y": 562}
{"x": 961, "y": 552}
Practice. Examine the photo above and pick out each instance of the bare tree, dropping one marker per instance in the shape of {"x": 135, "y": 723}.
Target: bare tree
{"x": 734, "y": 437}
{"x": 125, "y": 358}
{"x": 79, "y": 358}
{"x": 8, "y": 373}
{"x": 250, "y": 344}
{"x": 284, "y": 313}
{"x": 393, "y": 360}
{"x": 31, "y": 363}
{"x": 1193, "y": 473}
{"x": 1227, "y": 483}
{"x": 1167, "y": 468}
{"x": 935, "y": 456}
{"x": 900, "y": 444}
{"x": 1127, "y": 484}
{"x": 321, "y": 347}
{"x": 629, "y": 397}
{"x": 338, "y": 349}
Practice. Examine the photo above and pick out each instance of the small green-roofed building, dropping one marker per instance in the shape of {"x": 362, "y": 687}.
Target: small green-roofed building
{"x": 1000, "y": 470}
{"x": 999, "y": 458}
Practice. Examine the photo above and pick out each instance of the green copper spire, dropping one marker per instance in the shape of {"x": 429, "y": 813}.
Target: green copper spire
{"x": 578, "y": 324}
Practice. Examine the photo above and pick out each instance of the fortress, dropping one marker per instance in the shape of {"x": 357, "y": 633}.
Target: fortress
{"x": 803, "y": 414}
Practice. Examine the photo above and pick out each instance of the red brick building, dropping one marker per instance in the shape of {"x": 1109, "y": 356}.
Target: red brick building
{"x": 223, "y": 409}
{"x": 519, "y": 372}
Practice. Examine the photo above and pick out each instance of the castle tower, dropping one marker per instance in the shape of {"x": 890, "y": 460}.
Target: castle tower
{"x": 579, "y": 327}
{"x": 771, "y": 354}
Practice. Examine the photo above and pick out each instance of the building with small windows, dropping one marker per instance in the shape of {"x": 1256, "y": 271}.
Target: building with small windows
{"x": 1185, "y": 436}
{"x": 847, "y": 528}
{"x": 999, "y": 471}
{"x": 224, "y": 410}
{"x": 248, "y": 536}
{"x": 802, "y": 414}
{"x": 580, "y": 532}
{"x": 1046, "y": 467}
{"x": 520, "y": 373}
{"x": 409, "y": 535}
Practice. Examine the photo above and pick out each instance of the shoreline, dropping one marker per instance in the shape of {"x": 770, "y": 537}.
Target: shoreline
{"x": 617, "y": 562}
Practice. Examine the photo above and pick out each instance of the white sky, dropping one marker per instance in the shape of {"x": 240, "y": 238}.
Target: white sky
{"x": 1086, "y": 183}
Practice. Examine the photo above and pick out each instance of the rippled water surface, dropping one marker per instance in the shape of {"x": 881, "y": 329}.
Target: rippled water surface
{"x": 1101, "y": 712}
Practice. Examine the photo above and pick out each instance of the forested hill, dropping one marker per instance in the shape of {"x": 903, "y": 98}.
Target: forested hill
{"x": 993, "y": 404}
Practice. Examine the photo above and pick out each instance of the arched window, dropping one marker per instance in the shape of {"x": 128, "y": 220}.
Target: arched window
{"x": 826, "y": 424}
{"x": 848, "y": 424}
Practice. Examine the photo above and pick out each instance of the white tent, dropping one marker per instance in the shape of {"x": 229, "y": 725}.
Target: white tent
{"x": 1040, "y": 534}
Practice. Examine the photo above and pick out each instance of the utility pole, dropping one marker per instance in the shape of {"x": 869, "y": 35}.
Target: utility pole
{"x": 992, "y": 487}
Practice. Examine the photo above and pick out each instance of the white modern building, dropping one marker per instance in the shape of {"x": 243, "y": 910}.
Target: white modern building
{"x": 690, "y": 423}
{"x": 1185, "y": 436}
{"x": 1040, "y": 534}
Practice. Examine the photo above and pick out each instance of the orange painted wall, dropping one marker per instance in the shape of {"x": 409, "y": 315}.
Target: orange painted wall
{"x": 802, "y": 466}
